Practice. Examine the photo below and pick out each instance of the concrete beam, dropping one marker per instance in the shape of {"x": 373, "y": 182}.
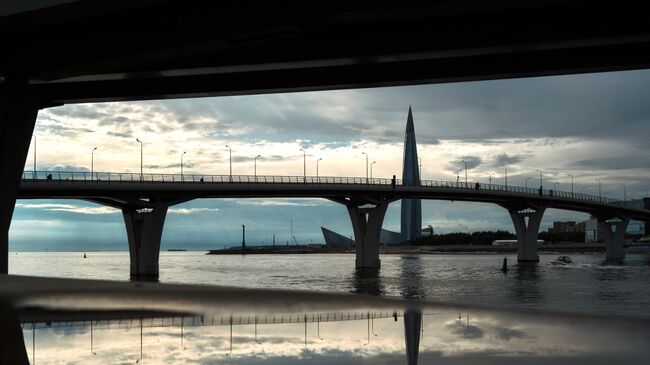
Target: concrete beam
{"x": 527, "y": 232}
{"x": 144, "y": 230}
{"x": 18, "y": 110}
{"x": 613, "y": 234}
{"x": 366, "y": 224}
{"x": 412, "y": 327}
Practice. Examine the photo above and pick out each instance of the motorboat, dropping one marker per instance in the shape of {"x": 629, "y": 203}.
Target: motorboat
{"x": 562, "y": 261}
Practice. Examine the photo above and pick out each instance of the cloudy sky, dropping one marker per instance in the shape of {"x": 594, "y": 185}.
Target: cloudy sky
{"x": 592, "y": 126}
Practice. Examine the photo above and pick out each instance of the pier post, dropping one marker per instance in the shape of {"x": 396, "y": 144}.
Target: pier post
{"x": 144, "y": 231}
{"x": 412, "y": 327}
{"x": 366, "y": 223}
{"x": 613, "y": 234}
{"x": 527, "y": 224}
{"x": 18, "y": 110}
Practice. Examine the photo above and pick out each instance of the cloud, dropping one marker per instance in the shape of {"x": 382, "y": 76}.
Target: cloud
{"x": 191, "y": 210}
{"x": 505, "y": 159}
{"x": 68, "y": 208}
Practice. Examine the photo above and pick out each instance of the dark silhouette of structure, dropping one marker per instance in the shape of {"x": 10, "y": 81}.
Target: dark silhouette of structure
{"x": 172, "y": 49}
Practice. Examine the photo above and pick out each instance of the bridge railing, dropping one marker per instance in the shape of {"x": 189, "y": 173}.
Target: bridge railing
{"x": 84, "y": 176}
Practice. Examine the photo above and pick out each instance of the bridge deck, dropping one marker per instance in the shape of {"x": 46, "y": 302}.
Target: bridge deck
{"x": 116, "y": 186}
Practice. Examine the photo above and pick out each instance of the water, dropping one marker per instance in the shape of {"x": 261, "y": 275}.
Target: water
{"x": 589, "y": 287}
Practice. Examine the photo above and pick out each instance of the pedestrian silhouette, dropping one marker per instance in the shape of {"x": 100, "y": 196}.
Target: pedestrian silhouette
{"x": 393, "y": 182}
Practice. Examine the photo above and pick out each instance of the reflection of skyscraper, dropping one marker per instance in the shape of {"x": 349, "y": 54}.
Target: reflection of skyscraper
{"x": 411, "y": 208}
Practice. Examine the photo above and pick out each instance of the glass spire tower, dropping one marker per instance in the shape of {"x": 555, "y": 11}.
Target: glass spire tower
{"x": 411, "y": 217}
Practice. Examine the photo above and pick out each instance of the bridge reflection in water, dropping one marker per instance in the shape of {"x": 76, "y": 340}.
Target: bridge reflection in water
{"x": 444, "y": 336}
{"x": 145, "y": 198}
{"x": 82, "y": 321}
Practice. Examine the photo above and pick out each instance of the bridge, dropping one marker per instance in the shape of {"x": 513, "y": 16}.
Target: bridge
{"x": 229, "y": 49}
{"x": 145, "y": 198}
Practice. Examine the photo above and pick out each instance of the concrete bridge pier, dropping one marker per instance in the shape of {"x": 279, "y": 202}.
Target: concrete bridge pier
{"x": 527, "y": 224}
{"x": 144, "y": 230}
{"x": 412, "y": 328}
{"x": 613, "y": 234}
{"x": 366, "y": 223}
{"x": 18, "y": 110}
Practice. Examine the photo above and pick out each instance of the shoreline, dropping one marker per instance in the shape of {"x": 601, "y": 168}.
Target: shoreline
{"x": 426, "y": 250}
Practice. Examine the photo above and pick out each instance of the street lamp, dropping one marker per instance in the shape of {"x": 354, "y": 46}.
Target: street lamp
{"x": 373, "y": 162}
{"x": 255, "y": 166}
{"x": 540, "y": 178}
{"x": 527, "y": 182}
{"x": 363, "y": 153}
{"x": 317, "y": 161}
{"x": 555, "y": 186}
{"x": 457, "y": 174}
{"x": 599, "y": 188}
{"x": 230, "y": 159}
{"x": 182, "y": 176}
{"x": 139, "y": 141}
{"x": 505, "y": 167}
{"x": 92, "y": 162}
{"x": 571, "y": 183}
{"x": 304, "y": 164}
{"x": 465, "y": 163}
{"x": 490, "y": 178}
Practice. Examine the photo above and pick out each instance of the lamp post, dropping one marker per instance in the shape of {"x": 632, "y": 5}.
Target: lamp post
{"x": 230, "y": 161}
{"x": 139, "y": 141}
{"x": 540, "y": 178}
{"x": 571, "y": 183}
{"x": 457, "y": 174}
{"x": 555, "y": 186}
{"x": 92, "y": 163}
{"x": 317, "y": 161}
{"x": 527, "y": 182}
{"x": 599, "y": 188}
{"x": 373, "y": 162}
{"x": 304, "y": 164}
{"x": 505, "y": 167}
{"x": 182, "y": 176}
{"x": 465, "y": 164}
{"x": 363, "y": 153}
{"x": 490, "y": 178}
{"x": 255, "y": 166}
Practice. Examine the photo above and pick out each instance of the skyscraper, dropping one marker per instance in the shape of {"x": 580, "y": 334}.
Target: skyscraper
{"x": 411, "y": 216}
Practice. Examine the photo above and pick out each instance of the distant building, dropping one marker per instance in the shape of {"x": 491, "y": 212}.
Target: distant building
{"x": 335, "y": 240}
{"x": 411, "y": 214}
{"x": 567, "y": 227}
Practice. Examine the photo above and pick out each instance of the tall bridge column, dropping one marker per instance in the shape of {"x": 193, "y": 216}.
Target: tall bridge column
{"x": 527, "y": 224}
{"x": 613, "y": 234}
{"x": 366, "y": 223}
{"x": 18, "y": 110}
{"x": 144, "y": 230}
